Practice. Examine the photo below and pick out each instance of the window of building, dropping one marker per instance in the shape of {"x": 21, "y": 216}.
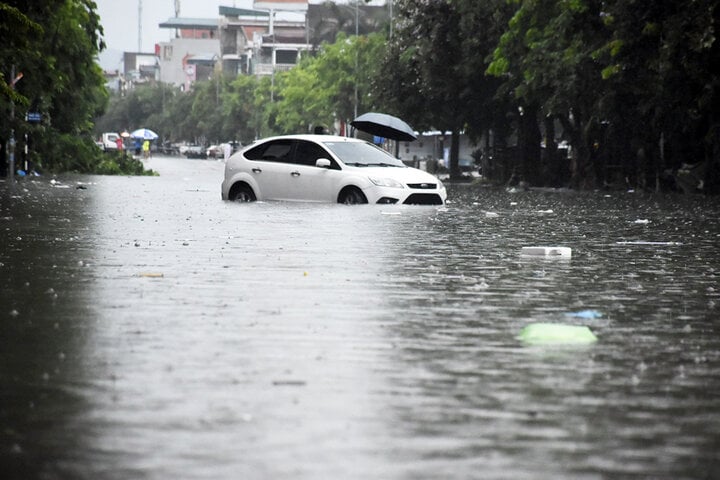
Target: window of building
{"x": 286, "y": 56}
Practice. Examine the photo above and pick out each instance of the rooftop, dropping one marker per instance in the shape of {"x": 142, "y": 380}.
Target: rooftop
{"x": 242, "y": 12}
{"x": 197, "y": 23}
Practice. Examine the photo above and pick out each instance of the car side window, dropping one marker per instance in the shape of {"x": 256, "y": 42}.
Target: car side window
{"x": 307, "y": 153}
{"x": 276, "y": 151}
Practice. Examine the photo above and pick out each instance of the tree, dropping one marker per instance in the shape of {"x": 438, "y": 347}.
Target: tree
{"x": 55, "y": 43}
{"x": 16, "y": 29}
{"x": 239, "y": 110}
{"x": 481, "y": 26}
{"x": 326, "y": 21}
{"x": 547, "y": 61}
{"x": 662, "y": 64}
{"x": 433, "y": 51}
{"x": 634, "y": 85}
{"x": 335, "y": 84}
{"x": 438, "y": 58}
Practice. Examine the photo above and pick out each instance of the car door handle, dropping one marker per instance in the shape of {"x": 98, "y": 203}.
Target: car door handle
{"x": 257, "y": 170}
{"x": 295, "y": 173}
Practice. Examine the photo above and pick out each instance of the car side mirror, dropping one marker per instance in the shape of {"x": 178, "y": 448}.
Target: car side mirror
{"x": 322, "y": 163}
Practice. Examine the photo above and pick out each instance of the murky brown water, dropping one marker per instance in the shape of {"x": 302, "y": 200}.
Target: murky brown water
{"x": 151, "y": 331}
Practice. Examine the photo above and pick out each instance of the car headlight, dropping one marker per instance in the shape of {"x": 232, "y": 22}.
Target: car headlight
{"x": 386, "y": 182}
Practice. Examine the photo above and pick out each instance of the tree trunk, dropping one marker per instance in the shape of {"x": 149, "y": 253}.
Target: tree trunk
{"x": 529, "y": 146}
{"x": 579, "y": 153}
{"x": 551, "y": 160}
{"x": 455, "y": 172}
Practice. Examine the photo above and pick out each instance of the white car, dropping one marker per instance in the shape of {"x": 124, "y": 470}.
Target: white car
{"x": 325, "y": 168}
{"x": 108, "y": 141}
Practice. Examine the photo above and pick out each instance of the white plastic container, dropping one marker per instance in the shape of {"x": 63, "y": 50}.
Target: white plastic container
{"x": 563, "y": 252}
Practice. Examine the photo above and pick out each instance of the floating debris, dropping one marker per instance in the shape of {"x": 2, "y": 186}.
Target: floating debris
{"x": 644, "y": 242}
{"x": 289, "y": 383}
{"x": 585, "y": 314}
{"x": 55, "y": 184}
{"x": 564, "y": 252}
{"x": 556, "y": 333}
{"x": 150, "y": 275}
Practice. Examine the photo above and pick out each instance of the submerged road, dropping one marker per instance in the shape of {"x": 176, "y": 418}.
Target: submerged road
{"x": 152, "y": 331}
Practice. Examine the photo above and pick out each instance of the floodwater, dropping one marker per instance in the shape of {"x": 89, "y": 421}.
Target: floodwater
{"x": 150, "y": 330}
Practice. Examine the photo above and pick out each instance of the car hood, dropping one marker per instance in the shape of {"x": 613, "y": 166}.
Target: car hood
{"x": 402, "y": 175}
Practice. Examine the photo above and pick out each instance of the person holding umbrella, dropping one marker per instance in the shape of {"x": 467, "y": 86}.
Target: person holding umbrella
{"x": 143, "y": 137}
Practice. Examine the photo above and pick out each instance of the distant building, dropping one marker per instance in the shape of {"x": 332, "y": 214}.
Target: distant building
{"x": 138, "y": 68}
{"x": 113, "y": 80}
{"x": 265, "y": 40}
{"x": 190, "y": 57}
{"x": 256, "y": 43}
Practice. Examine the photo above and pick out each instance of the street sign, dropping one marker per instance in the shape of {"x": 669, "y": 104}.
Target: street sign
{"x": 33, "y": 117}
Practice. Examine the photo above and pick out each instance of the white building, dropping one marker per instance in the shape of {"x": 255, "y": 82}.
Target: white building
{"x": 192, "y": 55}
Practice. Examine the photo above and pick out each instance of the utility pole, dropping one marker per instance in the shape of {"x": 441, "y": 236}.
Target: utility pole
{"x": 11, "y": 142}
{"x": 357, "y": 46}
{"x": 139, "y": 26}
{"x": 177, "y": 15}
{"x": 391, "y": 18}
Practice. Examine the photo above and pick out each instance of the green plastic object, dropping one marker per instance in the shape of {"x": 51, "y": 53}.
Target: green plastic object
{"x": 557, "y": 334}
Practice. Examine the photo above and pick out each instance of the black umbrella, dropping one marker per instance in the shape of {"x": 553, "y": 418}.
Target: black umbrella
{"x": 384, "y": 125}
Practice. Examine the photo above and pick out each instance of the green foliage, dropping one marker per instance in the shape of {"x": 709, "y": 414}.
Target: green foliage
{"x": 622, "y": 77}
{"x": 433, "y": 73}
{"x": 54, "y": 44}
{"x": 62, "y": 152}
{"x": 116, "y": 163}
{"x": 215, "y": 111}
{"x": 333, "y": 84}
{"x": 16, "y": 29}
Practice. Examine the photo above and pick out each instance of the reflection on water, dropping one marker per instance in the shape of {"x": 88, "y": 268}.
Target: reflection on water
{"x": 151, "y": 330}
{"x": 43, "y": 235}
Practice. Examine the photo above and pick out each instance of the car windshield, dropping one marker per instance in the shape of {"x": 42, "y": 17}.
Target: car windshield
{"x": 362, "y": 154}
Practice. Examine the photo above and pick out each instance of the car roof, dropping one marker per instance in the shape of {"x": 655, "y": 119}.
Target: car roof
{"x": 313, "y": 137}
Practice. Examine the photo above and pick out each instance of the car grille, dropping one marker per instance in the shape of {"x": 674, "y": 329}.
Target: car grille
{"x": 423, "y": 199}
{"x": 422, "y": 186}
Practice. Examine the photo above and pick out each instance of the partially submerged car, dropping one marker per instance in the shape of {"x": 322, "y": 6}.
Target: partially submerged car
{"x": 325, "y": 168}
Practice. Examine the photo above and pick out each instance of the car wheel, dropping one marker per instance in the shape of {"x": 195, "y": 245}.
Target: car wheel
{"x": 242, "y": 193}
{"x": 352, "y": 196}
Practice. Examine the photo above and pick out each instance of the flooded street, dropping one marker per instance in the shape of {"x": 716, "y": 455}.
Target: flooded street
{"x": 152, "y": 331}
